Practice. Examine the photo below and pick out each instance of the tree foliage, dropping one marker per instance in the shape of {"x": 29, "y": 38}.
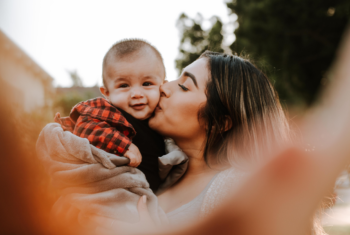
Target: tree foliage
{"x": 292, "y": 41}
{"x": 66, "y": 98}
{"x": 65, "y": 102}
{"x": 295, "y": 40}
{"x": 195, "y": 40}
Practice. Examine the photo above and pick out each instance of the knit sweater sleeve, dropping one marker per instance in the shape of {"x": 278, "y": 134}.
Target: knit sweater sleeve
{"x": 223, "y": 185}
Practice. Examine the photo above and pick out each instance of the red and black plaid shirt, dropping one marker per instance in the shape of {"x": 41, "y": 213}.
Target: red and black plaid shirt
{"x": 101, "y": 123}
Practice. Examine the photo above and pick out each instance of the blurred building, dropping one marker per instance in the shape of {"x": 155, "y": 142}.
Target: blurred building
{"x": 28, "y": 87}
{"x": 88, "y": 92}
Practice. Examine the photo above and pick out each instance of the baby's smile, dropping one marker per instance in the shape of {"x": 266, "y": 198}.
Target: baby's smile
{"x": 138, "y": 106}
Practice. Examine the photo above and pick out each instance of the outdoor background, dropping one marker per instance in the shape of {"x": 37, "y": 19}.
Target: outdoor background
{"x": 51, "y": 54}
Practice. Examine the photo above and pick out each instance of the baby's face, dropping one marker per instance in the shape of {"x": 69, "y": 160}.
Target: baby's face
{"x": 133, "y": 83}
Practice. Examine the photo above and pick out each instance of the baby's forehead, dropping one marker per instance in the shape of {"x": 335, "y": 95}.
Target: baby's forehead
{"x": 137, "y": 65}
{"x": 126, "y": 70}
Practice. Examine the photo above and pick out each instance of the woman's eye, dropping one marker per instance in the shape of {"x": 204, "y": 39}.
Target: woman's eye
{"x": 123, "y": 85}
{"x": 183, "y": 87}
{"x": 146, "y": 84}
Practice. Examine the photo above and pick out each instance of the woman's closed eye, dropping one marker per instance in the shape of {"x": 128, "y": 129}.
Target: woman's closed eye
{"x": 183, "y": 87}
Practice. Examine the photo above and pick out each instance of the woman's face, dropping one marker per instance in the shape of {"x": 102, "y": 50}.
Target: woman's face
{"x": 176, "y": 115}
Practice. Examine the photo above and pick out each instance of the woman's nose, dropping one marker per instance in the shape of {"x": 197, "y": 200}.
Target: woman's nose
{"x": 165, "y": 89}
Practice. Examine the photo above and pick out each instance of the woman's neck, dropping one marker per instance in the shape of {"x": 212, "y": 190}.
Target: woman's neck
{"x": 194, "y": 181}
{"x": 197, "y": 165}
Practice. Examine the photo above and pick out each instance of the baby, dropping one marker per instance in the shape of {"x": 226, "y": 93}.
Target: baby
{"x": 133, "y": 71}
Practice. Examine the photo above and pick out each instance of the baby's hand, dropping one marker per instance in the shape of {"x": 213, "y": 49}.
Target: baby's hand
{"x": 134, "y": 155}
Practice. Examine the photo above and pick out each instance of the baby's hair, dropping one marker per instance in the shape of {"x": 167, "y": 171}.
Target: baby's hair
{"x": 127, "y": 47}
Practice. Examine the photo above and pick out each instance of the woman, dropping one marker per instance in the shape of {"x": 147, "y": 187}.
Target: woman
{"x": 222, "y": 108}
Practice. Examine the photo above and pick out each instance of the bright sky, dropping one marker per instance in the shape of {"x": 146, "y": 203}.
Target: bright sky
{"x": 63, "y": 35}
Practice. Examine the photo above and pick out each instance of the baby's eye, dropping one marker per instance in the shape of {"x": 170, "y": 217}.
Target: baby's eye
{"x": 146, "y": 84}
{"x": 123, "y": 85}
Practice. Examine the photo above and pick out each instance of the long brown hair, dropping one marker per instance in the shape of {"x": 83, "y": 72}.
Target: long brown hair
{"x": 243, "y": 113}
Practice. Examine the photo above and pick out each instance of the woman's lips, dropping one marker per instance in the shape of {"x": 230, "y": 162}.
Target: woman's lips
{"x": 138, "y": 106}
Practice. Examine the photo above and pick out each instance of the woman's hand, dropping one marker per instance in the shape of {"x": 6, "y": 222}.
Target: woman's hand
{"x": 108, "y": 226}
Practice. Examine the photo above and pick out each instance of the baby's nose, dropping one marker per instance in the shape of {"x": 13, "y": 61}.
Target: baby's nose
{"x": 136, "y": 93}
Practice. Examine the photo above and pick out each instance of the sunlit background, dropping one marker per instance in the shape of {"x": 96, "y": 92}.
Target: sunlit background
{"x": 66, "y": 35}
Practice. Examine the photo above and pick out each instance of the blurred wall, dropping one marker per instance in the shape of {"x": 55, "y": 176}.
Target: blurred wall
{"x": 28, "y": 87}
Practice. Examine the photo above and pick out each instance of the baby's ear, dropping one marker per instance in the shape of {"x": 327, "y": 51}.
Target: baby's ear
{"x": 104, "y": 91}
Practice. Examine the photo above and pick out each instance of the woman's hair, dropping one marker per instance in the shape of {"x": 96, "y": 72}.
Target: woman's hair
{"x": 243, "y": 114}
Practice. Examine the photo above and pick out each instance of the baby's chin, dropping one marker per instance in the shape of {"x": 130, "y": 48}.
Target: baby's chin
{"x": 141, "y": 116}
{"x": 155, "y": 123}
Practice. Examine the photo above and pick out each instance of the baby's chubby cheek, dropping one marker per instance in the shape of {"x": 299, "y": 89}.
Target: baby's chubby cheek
{"x": 153, "y": 98}
{"x": 119, "y": 100}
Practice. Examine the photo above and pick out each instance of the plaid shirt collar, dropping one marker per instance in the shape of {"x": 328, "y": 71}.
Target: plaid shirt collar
{"x": 100, "y": 109}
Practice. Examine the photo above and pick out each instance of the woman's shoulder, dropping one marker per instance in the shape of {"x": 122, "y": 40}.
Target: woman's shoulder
{"x": 224, "y": 183}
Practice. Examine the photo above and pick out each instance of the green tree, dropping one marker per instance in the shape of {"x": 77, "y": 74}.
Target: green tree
{"x": 294, "y": 40}
{"x": 195, "y": 40}
{"x": 66, "y": 98}
{"x": 65, "y": 102}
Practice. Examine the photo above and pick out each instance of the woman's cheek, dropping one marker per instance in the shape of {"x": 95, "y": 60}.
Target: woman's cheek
{"x": 183, "y": 110}
{"x": 190, "y": 113}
